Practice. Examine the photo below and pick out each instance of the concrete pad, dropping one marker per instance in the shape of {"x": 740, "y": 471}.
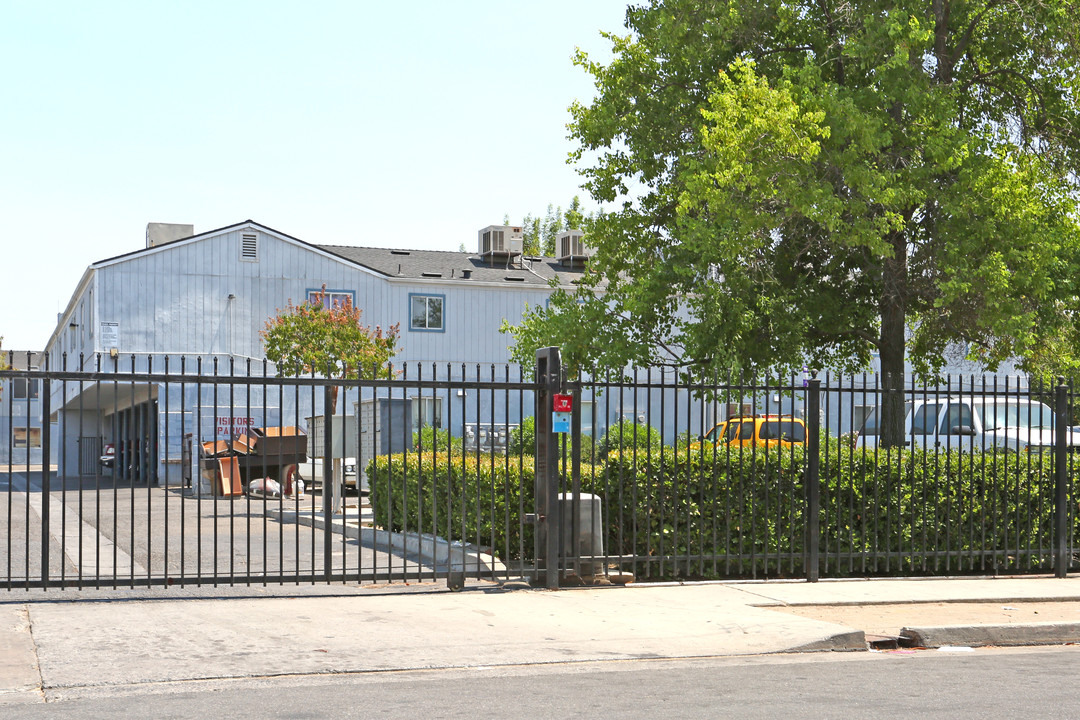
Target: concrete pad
{"x": 92, "y": 643}
{"x": 20, "y": 680}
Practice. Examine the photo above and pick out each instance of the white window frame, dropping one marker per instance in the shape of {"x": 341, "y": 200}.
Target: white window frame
{"x": 428, "y": 299}
{"x": 332, "y": 298}
{"x": 426, "y": 411}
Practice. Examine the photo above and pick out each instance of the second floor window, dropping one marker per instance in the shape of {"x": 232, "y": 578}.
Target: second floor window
{"x": 426, "y": 312}
{"x": 332, "y": 298}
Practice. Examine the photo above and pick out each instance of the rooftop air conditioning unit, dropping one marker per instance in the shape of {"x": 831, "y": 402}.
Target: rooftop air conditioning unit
{"x": 501, "y": 240}
{"x": 570, "y": 247}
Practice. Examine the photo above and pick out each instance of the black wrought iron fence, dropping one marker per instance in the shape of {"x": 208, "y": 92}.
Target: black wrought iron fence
{"x": 808, "y": 477}
{"x": 146, "y": 470}
{"x": 200, "y": 470}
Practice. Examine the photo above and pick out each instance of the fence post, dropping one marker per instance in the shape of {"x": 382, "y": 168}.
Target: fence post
{"x": 575, "y": 486}
{"x": 329, "y": 488}
{"x": 546, "y": 479}
{"x": 1061, "y": 480}
{"x": 46, "y": 471}
{"x": 812, "y": 480}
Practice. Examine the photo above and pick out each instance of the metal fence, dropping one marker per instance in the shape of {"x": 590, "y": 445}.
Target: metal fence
{"x": 201, "y": 470}
{"x": 205, "y": 471}
{"x": 697, "y": 479}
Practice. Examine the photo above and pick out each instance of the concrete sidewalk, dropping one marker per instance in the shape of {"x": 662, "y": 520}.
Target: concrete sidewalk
{"x": 60, "y": 644}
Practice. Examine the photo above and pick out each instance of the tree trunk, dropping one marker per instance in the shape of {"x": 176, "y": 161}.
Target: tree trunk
{"x": 892, "y": 345}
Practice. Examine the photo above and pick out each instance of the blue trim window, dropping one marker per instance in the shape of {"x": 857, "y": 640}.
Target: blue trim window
{"x": 332, "y": 298}
{"x": 426, "y": 313}
{"x": 24, "y": 388}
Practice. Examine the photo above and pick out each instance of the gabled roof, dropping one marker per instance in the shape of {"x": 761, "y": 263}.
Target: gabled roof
{"x": 199, "y": 236}
{"x": 22, "y": 359}
{"x": 435, "y": 266}
{"x": 407, "y": 264}
{"x": 459, "y": 266}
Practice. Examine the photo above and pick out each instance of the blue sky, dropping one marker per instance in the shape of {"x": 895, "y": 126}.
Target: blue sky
{"x": 353, "y": 123}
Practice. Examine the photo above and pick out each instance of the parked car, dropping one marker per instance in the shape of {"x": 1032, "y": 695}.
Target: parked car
{"x": 108, "y": 456}
{"x": 761, "y": 430}
{"x": 970, "y": 424}
{"x": 312, "y": 471}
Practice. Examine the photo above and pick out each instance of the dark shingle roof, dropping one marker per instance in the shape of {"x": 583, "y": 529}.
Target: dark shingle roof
{"x": 441, "y": 264}
{"x": 21, "y": 359}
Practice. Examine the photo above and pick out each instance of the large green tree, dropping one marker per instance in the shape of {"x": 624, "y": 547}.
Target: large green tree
{"x": 818, "y": 181}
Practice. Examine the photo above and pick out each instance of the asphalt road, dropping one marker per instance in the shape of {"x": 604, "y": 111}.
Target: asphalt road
{"x": 986, "y": 683}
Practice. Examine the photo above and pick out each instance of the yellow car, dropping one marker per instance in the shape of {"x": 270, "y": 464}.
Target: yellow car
{"x": 763, "y": 430}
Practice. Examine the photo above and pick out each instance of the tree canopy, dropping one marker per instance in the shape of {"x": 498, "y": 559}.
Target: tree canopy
{"x": 316, "y": 337}
{"x": 820, "y": 181}
{"x": 540, "y": 232}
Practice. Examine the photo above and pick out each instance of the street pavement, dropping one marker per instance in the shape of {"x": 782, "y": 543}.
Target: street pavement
{"x": 57, "y": 645}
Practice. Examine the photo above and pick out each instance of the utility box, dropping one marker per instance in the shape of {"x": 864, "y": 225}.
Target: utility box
{"x": 343, "y": 440}
{"x": 385, "y": 428}
{"x": 590, "y": 531}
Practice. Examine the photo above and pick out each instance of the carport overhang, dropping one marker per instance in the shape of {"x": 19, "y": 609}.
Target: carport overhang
{"x": 107, "y": 398}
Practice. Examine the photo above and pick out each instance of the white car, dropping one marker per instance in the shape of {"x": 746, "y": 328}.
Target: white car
{"x": 967, "y": 424}
{"x": 312, "y": 471}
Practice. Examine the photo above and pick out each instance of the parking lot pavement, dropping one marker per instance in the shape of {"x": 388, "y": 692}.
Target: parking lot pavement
{"x": 123, "y": 532}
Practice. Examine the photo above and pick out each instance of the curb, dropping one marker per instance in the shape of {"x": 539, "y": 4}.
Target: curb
{"x": 1049, "y": 633}
{"x": 854, "y": 640}
{"x": 444, "y": 554}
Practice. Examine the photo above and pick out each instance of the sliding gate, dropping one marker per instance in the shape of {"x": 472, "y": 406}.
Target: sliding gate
{"x": 144, "y": 471}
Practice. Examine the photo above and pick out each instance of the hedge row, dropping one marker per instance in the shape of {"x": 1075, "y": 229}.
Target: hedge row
{"x": 706, "y": 514}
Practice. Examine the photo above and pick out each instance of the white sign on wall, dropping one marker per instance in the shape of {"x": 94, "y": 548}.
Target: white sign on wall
{"x": 110, "y": 335}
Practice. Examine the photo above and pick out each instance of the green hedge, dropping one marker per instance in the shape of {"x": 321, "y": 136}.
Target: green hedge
{"x": 701, "y": 513}
{"x": 910, "y": 512}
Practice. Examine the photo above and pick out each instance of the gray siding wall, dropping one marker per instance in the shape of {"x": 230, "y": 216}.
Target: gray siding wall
{"x": 176, "y": 301}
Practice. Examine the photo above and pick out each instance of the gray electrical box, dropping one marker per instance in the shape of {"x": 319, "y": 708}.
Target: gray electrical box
{"x": 343, "y": 435}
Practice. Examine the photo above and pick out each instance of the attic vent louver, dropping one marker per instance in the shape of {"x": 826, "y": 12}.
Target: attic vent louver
{"x": 430, "y": 274}
{"x": 249, "y": 247}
